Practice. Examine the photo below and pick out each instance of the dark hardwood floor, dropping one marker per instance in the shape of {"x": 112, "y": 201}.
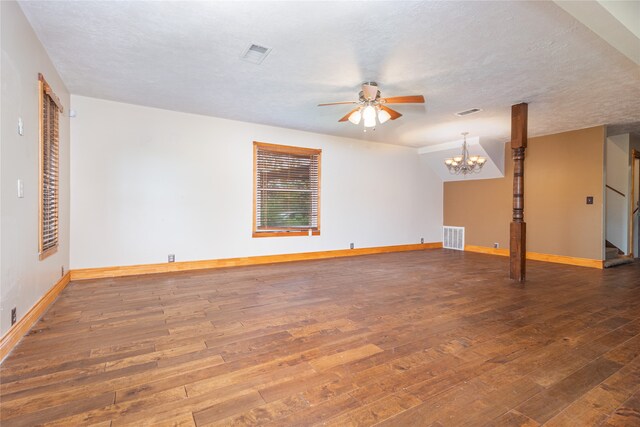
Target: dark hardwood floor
{"x": 429, "y": 338}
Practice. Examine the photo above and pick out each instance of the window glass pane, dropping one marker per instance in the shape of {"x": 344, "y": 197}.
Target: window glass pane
{"x": 49, "y": 170}
{"x": 287, "y": 188}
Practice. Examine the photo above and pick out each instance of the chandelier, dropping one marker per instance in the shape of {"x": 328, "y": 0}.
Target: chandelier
{"x": 465, "y": 164}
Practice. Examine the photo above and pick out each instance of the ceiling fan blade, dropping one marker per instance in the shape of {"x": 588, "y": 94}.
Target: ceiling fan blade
{"x": 415, "y": 99}
{"x": 393, "y": 113}
{"x": 346, "y": 117}
{"x": 338, "y": 103}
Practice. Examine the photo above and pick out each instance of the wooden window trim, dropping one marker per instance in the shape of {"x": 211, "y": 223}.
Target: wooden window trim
{"x": 48, "y": 252}
{"x": 285, "y": 232}
{"x": 45, "y": 89}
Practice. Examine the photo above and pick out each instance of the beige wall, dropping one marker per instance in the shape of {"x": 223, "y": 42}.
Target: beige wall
{"x": 560, "y": 172}
{"x": 24, "y": 279}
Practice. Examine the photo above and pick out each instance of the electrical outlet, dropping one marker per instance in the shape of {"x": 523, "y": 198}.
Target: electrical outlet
{"x": 496, "y": 245}
{"x": 422, "y": 240}
{"x": 20, "y": 127}
{"x": 350, "y": 245}
{"x": 14, "y": 318}
{"x": 589, "y": 200}
{"x": 172, "y": 258}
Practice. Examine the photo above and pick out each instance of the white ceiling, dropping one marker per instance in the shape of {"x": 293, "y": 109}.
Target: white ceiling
{"x": 184, "y": 56}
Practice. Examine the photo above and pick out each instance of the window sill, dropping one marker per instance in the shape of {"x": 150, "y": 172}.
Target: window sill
{"x": 285, "y": 233}
{"x": 48, "y": 252}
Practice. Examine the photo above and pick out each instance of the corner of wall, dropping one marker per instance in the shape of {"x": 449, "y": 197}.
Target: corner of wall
{"x": 25, "y": 279}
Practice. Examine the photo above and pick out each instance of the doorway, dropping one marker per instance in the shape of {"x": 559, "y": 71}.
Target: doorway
{"x": 634, "y": 230}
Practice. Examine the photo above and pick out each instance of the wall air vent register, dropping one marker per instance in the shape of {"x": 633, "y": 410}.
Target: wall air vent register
{"x": 453, "y": 238}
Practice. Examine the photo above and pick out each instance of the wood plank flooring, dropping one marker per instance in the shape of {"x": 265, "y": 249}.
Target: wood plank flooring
{"x": 425, "y": 338}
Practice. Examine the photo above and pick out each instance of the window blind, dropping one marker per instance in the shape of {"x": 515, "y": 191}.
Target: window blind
{"x": 287, "y": 182}
{"x": 49, "y": 169}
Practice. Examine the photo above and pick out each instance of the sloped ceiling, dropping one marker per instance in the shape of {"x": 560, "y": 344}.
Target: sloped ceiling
{"x": 616, "y": 22}
{"x": 434, "y": 155}
{"x": 184, "y": 56}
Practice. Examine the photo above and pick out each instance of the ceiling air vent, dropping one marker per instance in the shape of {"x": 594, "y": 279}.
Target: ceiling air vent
{"x": 255, "y": 53}
{"x": 467, "y": 112}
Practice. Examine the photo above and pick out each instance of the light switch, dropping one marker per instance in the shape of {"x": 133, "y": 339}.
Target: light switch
{"x": 20, "y": 127}
{"x": 20, "y": 189}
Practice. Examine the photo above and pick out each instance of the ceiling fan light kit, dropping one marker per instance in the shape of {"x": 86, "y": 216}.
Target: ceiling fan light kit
{"x": 369, "y": 113}
{"x": 383, "y": 116}
{"x": 369, "y": 116}
{"x": 355, "y": 117}
{"x": 371, "y": 108}
{"x": 465, "y": 164}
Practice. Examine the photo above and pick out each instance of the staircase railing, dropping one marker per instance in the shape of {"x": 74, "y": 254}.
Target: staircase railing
{"x": 615, "y": 191}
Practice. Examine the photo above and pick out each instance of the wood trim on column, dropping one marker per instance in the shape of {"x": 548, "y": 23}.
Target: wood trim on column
{"x": 131, "y": 270}
{"x": 518, "y": 228}
{"x": 20, "y": 329}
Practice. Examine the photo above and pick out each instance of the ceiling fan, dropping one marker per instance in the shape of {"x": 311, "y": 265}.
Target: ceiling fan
{"x": 371, "y": 106}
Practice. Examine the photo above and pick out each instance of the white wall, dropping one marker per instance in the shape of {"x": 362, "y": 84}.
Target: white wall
{"x": 24, "y": 279}
{"x": 634, "y": 144}
{"x": 636, "y": 216}
{"x": 149, "y": 182}
{"x": 617, "y": 176}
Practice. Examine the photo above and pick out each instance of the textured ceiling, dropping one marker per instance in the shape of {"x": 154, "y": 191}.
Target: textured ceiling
{"x": 185, "y": 56}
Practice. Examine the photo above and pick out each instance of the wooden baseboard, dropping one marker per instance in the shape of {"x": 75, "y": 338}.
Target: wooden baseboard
{"x": 486, "y": 250}
{"x": 534, "y": 256}
{"x": 22, "y": 326}
{"x": 561, "y": 259}
{"x": 131, "y": 270}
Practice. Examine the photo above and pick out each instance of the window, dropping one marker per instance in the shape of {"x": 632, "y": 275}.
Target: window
{"x": 50, "y": 107}
{"x": 286, "y": 190}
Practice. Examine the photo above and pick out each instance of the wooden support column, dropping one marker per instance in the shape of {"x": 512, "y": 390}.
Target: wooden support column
{"x": 518, "y": 232}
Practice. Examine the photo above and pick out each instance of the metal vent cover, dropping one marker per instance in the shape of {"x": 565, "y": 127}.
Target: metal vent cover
{"x": 453, "y": 238}
{"x": 467, "y": 112}
{"x": 255, "y": 53}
